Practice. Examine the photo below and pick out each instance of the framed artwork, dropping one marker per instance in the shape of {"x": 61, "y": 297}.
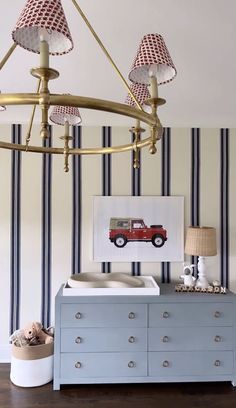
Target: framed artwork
{"x": 145, "y": 229}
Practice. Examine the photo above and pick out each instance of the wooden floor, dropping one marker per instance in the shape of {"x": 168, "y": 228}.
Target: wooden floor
{"x": 191, "y": 395}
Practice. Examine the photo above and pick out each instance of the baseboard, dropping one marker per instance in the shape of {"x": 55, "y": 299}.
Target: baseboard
{"x": 5, "y": 353}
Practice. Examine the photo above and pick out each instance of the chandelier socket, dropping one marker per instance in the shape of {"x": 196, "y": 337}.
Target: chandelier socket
{"x": 66, "y": 137}
{"x": 44, "y": 73}
{"x": 155, "y": 102}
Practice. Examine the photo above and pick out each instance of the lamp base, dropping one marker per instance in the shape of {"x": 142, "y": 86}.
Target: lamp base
{"x": 202, "y": 281}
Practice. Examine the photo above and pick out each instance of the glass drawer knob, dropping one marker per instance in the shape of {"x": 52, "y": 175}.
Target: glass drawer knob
{"x": 131, "y": 339}
{"x": 165, "y": 339}
{"x": 217, "y": 339}
{"x": 78, "y": 365}
{"x": 165, "y": 315}
{"x": 78, "y": 340}
{"x": 217, "y": 363}
{"x": 217, "y": 314}
{"x": 165, "y": 363}
{"x": 131, "y": 315}
{"x": 131, "y": 364}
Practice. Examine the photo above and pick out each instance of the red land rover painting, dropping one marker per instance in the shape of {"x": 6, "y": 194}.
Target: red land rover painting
{"x": 123, "y": 230}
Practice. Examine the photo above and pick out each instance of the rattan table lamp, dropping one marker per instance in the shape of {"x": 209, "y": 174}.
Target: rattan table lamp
{"x": 201, "y": 242}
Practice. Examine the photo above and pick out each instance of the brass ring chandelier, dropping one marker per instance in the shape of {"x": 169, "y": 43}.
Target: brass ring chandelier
{"x": 42, "y": 28}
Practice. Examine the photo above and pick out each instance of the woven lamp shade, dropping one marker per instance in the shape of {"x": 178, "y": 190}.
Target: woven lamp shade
{"x": 201, "y": 241}
{"x": 60, "y": 114}
{"x": 152, "y": 53}
{"x": 141, "y": 93}
{"x": 46, "y": 18}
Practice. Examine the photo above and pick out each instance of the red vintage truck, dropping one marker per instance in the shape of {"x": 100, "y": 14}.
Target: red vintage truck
{"x": 123, "y": 230}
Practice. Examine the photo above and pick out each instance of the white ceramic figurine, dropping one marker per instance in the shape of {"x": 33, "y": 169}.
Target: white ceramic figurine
{"x": 189, "y": 279}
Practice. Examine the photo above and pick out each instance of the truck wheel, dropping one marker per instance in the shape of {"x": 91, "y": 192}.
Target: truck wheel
{"x": 158, "y": 240}
{"x": 120, "y": 241}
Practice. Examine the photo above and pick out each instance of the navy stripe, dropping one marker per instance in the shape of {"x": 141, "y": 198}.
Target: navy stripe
{"x": 15, "y": 231}
{"x": 224, "y": 207}
{"x": 226, "y": 283}
{"x": 166, "y": 188}
{"x": 195, "y": 192}
{"x": 136, "y": 192}
{"x": 195, "y": 183}
{"x": 106, "y": 178}
{"x": 192, "y": 177}
{"x": 46, "y": 232}
{"x": 221, "y": 207}
{"x": 76, "y": 202}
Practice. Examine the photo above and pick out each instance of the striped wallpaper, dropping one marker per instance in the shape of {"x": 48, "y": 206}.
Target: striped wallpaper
{"x": 106, "y": 178}
{"x": 136, "y": 191}
{"x": 15, "y": 264}
{"x": 46, "y": 233}
{"x": 166, "y": 188}
{"x": 195, "y": 183}
{"x": 46, "y": 214}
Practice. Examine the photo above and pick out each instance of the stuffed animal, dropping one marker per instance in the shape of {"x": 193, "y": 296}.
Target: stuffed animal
{"x": 36, "y": 334}
{"x": 18, "y": 338}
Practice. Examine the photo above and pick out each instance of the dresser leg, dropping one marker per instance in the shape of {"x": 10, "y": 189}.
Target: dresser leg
{"x": 56, "y": 385}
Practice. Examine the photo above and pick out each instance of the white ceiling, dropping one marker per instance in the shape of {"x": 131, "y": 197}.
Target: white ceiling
{"x": 200, "y": 36}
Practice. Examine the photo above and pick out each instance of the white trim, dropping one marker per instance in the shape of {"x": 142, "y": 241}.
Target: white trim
{"x": 5, "y": 353}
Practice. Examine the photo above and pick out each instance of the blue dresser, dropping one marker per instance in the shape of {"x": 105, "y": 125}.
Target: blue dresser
{"x": 174, "y": 337}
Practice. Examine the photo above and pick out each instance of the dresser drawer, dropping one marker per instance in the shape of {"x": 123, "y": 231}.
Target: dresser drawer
{"x": 190, "y": 363}
{"x": 192, "y": 314}
{"x": 79, "y": 365}
{"x": 103, "y": 315}
{"x": 103, "y": 339}
{"x": 190, "y": 338}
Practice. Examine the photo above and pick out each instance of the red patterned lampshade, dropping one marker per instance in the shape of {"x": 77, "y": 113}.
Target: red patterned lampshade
{"x": 43, "y": 18}
{"x": 60, "y": 114}
{"x": 141, "y": 93}
{"x": 152, "y": 55}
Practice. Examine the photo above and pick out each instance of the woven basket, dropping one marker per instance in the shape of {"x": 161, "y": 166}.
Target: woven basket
{"x": 32, "y": 366}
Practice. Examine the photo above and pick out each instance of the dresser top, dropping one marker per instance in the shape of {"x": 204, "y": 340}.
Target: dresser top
{"x": 167, "y": 295}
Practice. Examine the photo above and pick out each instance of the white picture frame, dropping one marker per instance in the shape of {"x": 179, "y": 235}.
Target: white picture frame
{"x": 167, "y": 213}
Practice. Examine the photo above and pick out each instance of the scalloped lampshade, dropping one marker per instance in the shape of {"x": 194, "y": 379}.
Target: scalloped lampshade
{"x": 46, "y": 18}
{"x": 152, "y": 54}
{"x": 60, "y": 114}
{"x": 141, "y": 93}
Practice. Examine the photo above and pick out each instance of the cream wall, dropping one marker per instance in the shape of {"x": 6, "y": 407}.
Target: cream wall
{"x": 30, "y": 303}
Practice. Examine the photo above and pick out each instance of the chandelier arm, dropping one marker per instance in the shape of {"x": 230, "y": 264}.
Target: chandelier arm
{"x": 82, "y": 102}
{"x": 32, "y": 149}
{"x": 28, "y": 135}
{"x": 59, "y": 150}
{"x": 8, "y": 54}
{"x": 111, "y": 149}
{"x": 20, "y": 99}
{"x": 106, "y": 53}
{"x": 104, "y": 105}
